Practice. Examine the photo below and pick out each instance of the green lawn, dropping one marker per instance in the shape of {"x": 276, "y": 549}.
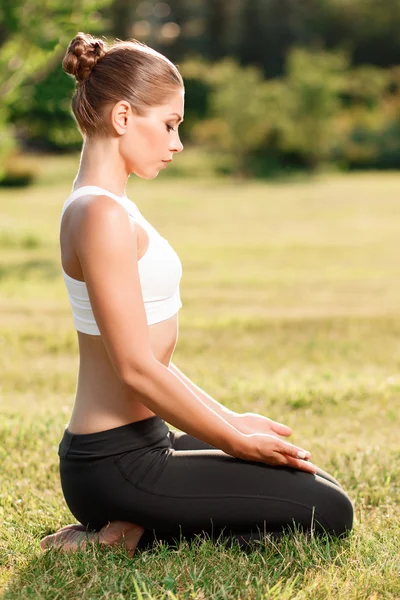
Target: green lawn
{"x": 291, "y": 308}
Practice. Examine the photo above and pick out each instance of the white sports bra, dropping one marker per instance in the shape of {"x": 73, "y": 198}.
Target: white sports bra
{"x": 160, "y": 272}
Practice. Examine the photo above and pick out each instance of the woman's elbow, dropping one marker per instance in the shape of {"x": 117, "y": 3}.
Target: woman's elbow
{"x": 135, "y": 374}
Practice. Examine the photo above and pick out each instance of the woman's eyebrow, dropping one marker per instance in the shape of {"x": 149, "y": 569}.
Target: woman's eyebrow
{"x": 178, "y": 115}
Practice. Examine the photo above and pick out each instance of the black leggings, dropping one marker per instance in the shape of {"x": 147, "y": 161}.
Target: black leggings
{"x": 176, "y": 486}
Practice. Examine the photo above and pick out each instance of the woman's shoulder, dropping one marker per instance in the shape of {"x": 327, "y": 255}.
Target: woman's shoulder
{"x": 90, "y": 205}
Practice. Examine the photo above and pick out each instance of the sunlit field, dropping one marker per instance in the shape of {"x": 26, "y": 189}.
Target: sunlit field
{"x": 291, "y": 308}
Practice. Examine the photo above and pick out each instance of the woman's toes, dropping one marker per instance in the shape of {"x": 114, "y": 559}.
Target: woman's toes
{"x": 77, "y": 526}
{"x": 55, "y": 538}
{"x": 69, "y": 539}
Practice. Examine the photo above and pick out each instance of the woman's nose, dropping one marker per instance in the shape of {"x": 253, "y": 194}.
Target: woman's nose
{"x": 176, "y": 145}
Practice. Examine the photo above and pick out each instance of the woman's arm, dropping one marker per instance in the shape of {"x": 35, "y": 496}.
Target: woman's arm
{"x": 245, "y": 423}
{"x": 222, "y": 411}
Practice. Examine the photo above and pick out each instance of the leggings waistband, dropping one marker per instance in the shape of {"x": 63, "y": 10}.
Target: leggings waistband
{"x": 132, "y": 436}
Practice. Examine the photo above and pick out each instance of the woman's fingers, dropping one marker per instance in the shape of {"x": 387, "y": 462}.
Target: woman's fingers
{"x": 296, "y": 463}
{"x": 280, "y": 428}
{"x": 293, "y": 456}
{"x": 275, "y": 451}
{"x": 292, "y": 450}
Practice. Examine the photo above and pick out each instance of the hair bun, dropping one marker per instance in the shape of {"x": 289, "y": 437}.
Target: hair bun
{"x": 82, "y": 55}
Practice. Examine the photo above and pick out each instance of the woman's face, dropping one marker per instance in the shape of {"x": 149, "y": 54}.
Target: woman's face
{"x": 154, "y": 138}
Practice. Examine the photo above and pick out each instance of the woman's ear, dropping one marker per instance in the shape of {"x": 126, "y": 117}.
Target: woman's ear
{"x": 120, "y": 115}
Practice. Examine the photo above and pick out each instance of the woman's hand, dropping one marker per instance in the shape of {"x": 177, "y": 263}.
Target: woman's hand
{"x": 253, "y": 423}
{"x": 271, "y": 450}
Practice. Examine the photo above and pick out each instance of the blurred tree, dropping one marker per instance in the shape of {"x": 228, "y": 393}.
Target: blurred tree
{"x": 216, "y": 18}
{"x": 370, "y": 121}
{"x": 251, "y": 40}
{"x": 367, "y": 28}
{"x": 177, "y": 24}
{"x": 311, "y": 103}
{"x": 121, "y": 16}
{"x": 261, "y": 32}
{"x": 34, "y": 35}
{"x": 239, "y": 118}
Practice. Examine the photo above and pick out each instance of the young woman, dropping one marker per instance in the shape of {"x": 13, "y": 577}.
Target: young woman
{"x": 125, "y": 475}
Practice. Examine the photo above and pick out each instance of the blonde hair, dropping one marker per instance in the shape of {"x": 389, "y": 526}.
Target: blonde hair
{"x": 105, "y": 74}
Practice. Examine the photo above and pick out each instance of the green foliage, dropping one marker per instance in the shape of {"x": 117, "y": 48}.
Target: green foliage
{"x": 7, "y": 145}
{"x": 237, "y": 122}
{"x": 45, "y": 118}
{"x": 197, "y": 93}
{"x": 320, "y": 112}
{"x": 35, "y": 34}
{"x": 365, "y": 86}
{"x": 298, "y": 111}
{"x": 370, "y": 119}
{"x": 310, "y": 103}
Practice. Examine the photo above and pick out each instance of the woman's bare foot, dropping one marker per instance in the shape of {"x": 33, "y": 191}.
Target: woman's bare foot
{"x": 72, "y": 537}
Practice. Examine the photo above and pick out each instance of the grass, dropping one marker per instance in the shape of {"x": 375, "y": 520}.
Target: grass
{"x": 291, "y": 308}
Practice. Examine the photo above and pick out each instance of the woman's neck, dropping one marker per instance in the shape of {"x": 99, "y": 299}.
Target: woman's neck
{"x": 101, "y": 165}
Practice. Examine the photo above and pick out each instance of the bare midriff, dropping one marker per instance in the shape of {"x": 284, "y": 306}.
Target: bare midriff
{"x": 102, "y": 400}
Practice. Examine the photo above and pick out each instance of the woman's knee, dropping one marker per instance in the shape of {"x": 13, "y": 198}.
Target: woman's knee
{"x": 336, "y": 513}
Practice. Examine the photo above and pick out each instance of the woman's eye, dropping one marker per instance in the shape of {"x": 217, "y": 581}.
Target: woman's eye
{"x": 170, "y": 128}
